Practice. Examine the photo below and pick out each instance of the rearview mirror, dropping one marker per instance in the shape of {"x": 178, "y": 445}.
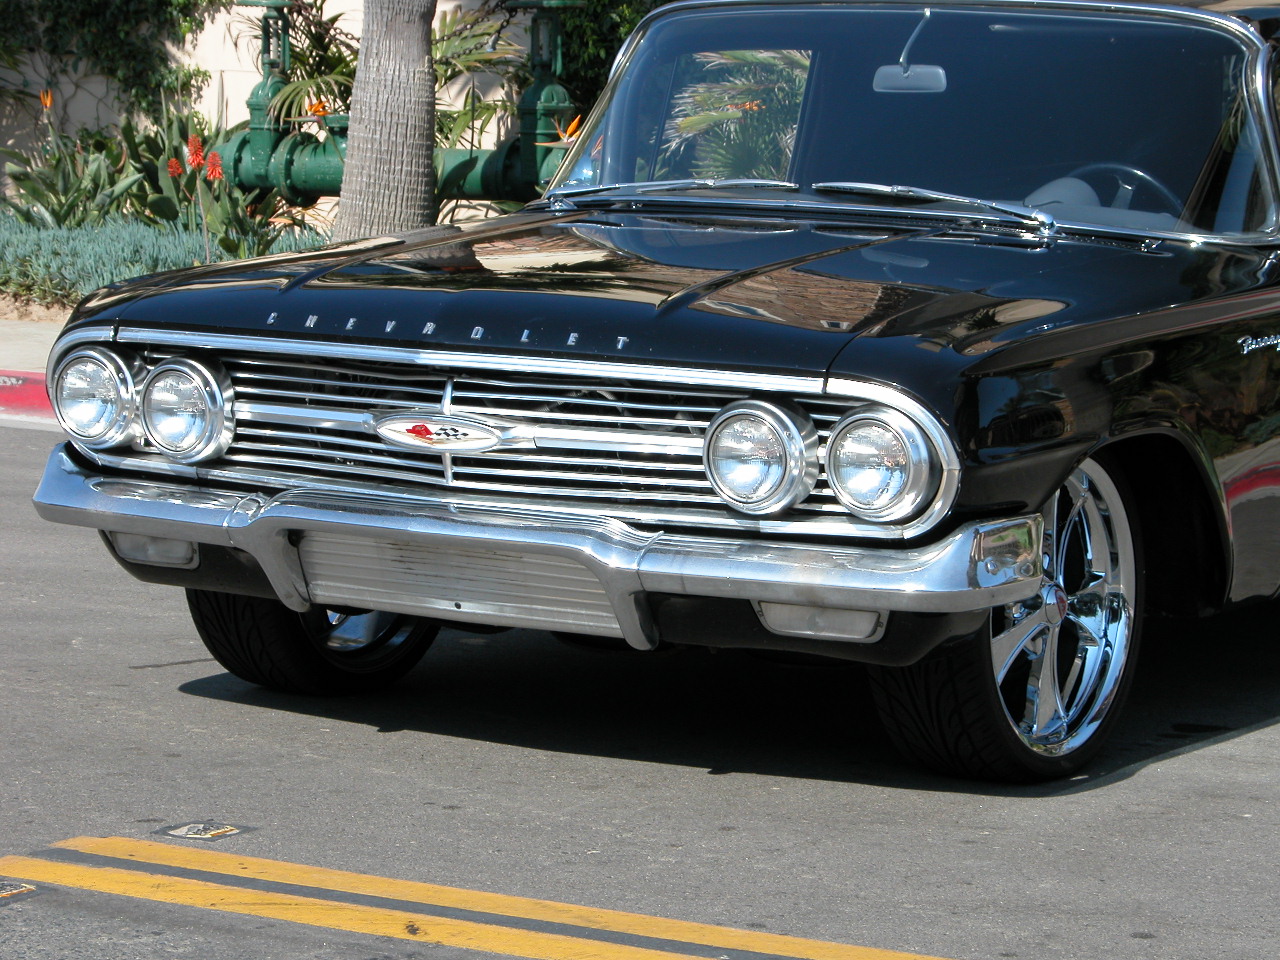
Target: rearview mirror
{"x": 915, "y": 78}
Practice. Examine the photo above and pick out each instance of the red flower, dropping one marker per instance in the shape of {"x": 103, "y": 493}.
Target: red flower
{"x": 46, "y": 99}
{"x": 175, "y": 167}
{"x": 195, "y": 152}
{"x": 214, "y": 169}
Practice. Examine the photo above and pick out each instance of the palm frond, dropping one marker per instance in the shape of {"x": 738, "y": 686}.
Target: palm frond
{"x": 740, "y": 119}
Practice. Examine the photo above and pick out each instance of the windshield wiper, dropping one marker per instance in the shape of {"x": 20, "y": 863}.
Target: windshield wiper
{"x": 659, "y": 186}
{"x": 713, "y": 184}
{"x": 1029, "y": 215}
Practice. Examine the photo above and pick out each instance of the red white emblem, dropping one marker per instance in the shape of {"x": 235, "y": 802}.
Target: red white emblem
{"x": 438, "y": 435}
{"x": 442, "y": 433}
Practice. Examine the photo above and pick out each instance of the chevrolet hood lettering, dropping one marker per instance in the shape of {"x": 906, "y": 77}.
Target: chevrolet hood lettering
{"x": 440, "y": 432}
{"x": 819, "y": 299}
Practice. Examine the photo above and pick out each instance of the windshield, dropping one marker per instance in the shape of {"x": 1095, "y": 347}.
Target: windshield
{"x": 1123, "y": 121}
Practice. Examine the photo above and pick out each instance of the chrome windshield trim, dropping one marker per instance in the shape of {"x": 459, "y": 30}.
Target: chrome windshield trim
{"x": 659, "y": 186}
{"x": 1090, "y": 6}
{"x": 692, "y": 376}
{"x": 965, "y": 221}
{"x": 1262, "y": 99}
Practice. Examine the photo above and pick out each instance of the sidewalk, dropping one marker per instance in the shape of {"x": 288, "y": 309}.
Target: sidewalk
{"x": 24, "y": 348}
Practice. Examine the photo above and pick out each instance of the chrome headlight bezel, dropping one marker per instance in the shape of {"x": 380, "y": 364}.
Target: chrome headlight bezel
{"x": 923, "y": 466}
{"x": 213, "y": 386}
{"x": 797, "y": 440}
{"x": 123, "y": 371}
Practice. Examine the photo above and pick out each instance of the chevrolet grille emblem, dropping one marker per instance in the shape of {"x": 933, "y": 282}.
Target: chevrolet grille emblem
{"x": 439, "y": 433}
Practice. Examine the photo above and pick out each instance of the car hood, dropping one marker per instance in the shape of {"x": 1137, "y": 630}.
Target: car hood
{"x": 742, "y": 293}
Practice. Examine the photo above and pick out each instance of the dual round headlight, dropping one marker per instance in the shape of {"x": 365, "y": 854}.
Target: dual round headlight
{"x": 879, "y": 465}
{"x": 186, "y": 410}
{"x": 93, "y": 397}
{"x": 763, "y": 458}
{"x": 182, "y": 407}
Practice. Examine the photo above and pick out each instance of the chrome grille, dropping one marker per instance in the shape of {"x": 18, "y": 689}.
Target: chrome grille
{"x": 307, "y": 421}
{"x": 481, "y": 585}
{"x": 273, "y": 391}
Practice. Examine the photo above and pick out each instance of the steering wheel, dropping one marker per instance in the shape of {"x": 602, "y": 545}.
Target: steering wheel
{"x": 1125, "y": 174}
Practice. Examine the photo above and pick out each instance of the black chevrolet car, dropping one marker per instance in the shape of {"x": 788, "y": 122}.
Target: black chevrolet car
{"x": 941, "y": 338}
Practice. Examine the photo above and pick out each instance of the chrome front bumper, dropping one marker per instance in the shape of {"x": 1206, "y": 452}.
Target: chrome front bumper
{"x": 520, "y": 567}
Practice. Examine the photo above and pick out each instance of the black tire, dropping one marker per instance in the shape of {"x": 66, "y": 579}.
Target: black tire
{"x": 323, "y": 652}
{"x": 1035, "y": 694}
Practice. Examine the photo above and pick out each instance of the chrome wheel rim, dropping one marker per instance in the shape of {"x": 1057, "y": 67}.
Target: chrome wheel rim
{"x": 1059, "y": 657}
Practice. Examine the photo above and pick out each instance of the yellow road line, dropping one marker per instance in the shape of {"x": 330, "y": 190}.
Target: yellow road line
{"x": 400, "y": 924}
{"x": 341, "y": 881}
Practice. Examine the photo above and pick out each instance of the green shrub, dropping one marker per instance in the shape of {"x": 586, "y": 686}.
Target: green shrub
{"x": 593, "y": 34}
{"x": 64, "y": 185}
{"x": 160, "y": 174}
{"x": 62, "y": 265}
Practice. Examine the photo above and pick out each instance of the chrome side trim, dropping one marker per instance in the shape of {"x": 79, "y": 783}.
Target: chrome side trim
{"x": 1156, "y": 9}
{"x": 341, "y": 350}
{"x": 979, "y": 565}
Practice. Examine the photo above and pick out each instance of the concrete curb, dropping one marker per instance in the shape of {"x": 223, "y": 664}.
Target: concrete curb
{"x": 23, "y": 393}
{"x": 24, "y": 350}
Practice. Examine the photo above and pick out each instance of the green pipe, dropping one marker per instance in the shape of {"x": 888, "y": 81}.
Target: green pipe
{"x": 303, "y": 167}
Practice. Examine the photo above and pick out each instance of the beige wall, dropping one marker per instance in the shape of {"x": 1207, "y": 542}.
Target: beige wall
{"x": 79, "y": 103}
{"x": 233, "y": 67}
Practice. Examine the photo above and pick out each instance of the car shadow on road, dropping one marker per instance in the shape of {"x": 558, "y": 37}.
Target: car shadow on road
{"x": 738, "y": 712}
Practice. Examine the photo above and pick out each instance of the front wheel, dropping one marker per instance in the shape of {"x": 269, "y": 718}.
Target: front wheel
{"x": 1034, "y": 695}
{"x": 322, "y": 651}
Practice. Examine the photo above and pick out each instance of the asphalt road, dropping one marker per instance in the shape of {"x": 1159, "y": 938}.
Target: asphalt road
{"x": 719, "y": 789}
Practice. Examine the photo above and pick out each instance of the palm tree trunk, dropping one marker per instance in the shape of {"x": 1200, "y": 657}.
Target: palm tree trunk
{"x": 388, "y": 184}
